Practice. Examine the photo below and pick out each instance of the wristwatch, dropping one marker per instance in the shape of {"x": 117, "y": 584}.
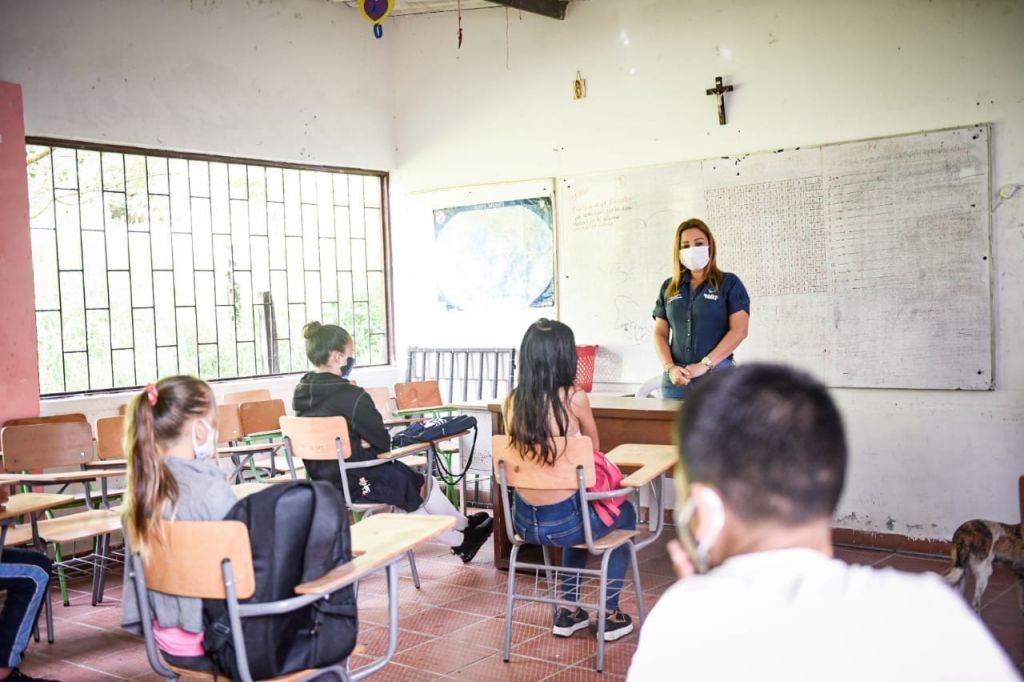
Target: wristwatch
{"x": 706, "y": 361}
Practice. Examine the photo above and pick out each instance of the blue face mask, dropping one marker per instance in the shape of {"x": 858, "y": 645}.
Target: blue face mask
{"x": 347, "y": 369}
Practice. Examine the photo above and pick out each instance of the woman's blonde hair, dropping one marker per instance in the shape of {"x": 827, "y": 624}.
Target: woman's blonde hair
{"x": 715, "y": 275}
{"x": 157, "y": 416}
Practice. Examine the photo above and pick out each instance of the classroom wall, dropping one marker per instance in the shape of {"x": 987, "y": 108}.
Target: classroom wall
{"x": 19, "y": 390}
{"x": 804, "y": 73}
{"x": 287, "y": 80}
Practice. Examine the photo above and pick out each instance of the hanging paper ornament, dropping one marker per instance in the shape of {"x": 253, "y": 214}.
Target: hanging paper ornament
{"x": 376, "y": 11}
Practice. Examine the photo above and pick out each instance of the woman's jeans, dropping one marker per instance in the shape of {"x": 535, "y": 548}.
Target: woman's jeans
{"x": 25, "y": 574}
{"x": 561, "y": 525}
{"x": 670, "y": 391}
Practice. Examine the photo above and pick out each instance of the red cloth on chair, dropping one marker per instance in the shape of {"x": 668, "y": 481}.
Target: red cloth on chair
{"x": 609, "y": 476}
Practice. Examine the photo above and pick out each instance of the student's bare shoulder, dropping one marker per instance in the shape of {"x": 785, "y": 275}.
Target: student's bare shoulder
{"x": 576, "y": 396}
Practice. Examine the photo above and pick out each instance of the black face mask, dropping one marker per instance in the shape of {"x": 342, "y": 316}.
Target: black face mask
{"x": 347, "y": 369}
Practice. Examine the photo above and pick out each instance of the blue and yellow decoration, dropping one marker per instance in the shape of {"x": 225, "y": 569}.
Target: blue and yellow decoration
{"x": 376, "y": 11}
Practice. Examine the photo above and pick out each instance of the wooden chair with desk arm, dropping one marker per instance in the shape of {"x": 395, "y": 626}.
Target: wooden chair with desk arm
{"x": 220, "y": 567}
{"x": 620, "y": 421}
{"x": 260, "y": 428}
{"x": 327, "y": 439}
{"x": 382, "y": 401}
{"x": 16, "y": 507}
{"x": 419, "y": 400}
{"x": 573, "y": 469}
{"x": 63, "y": 445}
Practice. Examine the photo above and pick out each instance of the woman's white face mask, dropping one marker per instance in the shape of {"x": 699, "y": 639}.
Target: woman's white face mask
{"x": 700, "y": 552}
{"x": 208, "y": 448}
{"x": 695, "y": 258}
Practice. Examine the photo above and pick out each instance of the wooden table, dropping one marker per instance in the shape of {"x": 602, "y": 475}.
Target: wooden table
{"x": 31, "y": 504}
{"x": 242, "y": 455}
{"x": 67, "y": 477}
{"x": 646, "y": 463}
{"x": 619, "y": 421}
{"x": 377, "y": 541}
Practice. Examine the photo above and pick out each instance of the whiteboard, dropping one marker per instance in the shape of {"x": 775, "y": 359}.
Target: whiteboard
{"x": 867, "y": 263}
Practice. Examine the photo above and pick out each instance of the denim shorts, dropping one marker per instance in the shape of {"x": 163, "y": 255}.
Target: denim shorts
{"x": 561, "y": 524}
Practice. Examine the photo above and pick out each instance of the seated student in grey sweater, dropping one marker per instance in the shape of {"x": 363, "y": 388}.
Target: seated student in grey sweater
{"x": 763, "y": 457}
{"x": 172, "y": 473}
{"x": 327, "y": 392}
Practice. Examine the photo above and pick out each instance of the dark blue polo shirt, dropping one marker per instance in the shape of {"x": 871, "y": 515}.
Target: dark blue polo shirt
{"x": 700, "y": 319}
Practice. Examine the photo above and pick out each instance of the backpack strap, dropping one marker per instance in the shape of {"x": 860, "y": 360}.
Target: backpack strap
{"x": 328, "y": 527}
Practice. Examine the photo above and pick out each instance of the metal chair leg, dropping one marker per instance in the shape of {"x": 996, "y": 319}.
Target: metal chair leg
{"x": 58, "y": 559}
{"x": 602, "y": 604}
{"x": 509, "y": 599}
{"x": 641, "y": 611}
{"x": 412, "y": 567}
{"x": 105, "y": 545}
{"x": 48, "y": 605}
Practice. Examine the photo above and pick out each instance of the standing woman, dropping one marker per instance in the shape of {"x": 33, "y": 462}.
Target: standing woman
{"x": 702, "y": 313}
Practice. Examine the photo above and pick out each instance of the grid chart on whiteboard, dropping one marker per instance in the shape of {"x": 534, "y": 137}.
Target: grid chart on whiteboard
{"x": 772, "y": 235}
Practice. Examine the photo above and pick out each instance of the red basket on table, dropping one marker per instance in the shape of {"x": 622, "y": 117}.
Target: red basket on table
{"x": 585, "y": 367}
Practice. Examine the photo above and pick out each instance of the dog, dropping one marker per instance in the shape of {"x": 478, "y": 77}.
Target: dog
{"x": 976, "y": 546}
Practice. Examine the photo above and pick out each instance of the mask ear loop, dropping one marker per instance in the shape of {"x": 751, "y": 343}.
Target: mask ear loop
{"x": 717, "y": 523}
{"x": 683, "y": 516}
{"x": 700, "y": 552}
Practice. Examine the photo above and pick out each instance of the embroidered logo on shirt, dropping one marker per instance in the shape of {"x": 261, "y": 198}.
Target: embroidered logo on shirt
{"x": 710, "y": 296}
{"x": 365, "y": 485}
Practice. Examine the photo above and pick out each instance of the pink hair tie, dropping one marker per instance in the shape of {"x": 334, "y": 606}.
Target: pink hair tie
{"x": 152, "y": 395}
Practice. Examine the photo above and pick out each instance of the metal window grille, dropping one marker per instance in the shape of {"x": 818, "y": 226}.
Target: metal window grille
{"x": 149, "y": 263}
{"x": 464, "y": 374}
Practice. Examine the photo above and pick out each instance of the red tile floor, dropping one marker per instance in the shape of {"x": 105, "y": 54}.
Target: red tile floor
{"x": 453, "y": 627}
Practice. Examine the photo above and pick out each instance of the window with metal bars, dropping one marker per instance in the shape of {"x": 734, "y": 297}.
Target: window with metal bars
{"x": 148, "y": 263}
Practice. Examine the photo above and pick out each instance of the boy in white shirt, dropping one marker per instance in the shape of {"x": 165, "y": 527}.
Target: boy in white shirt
{"x": 763, "y": 457}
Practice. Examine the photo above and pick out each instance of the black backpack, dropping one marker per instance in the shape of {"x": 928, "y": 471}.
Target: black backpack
{"x": 298, "y": 532}
{"x": 436, "y": 429}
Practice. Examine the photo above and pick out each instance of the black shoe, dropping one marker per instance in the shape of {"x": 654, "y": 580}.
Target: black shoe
{"x": 616, "y": 625}
{"x": 474, "y": 520}
{"x": 567, "y": 622}
{"x": 18, "y": 676}
{"x": 476, "y": 536}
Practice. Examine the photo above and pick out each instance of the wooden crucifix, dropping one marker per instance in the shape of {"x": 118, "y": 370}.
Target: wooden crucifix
{"x": 719, "y": 91}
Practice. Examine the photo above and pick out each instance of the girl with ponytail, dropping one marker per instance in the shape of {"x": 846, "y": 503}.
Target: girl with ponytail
{"x": 170, "y": 443}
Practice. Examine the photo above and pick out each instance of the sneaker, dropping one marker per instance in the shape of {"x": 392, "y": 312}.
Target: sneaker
{"x": 18, "y": 676}
{"x": 567, "y": 622}
{"x": 616, "y": 625}
{"x": 476, "y": 536}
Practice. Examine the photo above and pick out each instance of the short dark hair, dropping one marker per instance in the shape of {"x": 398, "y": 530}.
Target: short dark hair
{"x": 769, "y": 438}
{"x": 324, "y": 339}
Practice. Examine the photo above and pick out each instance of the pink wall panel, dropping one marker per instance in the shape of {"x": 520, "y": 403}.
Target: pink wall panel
{"x": 19, "y": 373}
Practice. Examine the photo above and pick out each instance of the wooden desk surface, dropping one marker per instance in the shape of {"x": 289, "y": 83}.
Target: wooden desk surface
{"x": 650, "y": 461}
{"x": 28, "y": 503}
{"x": 107, "y": 463}
{"x": 229, "y": 450}
{"x": 61, "y": 477}
{"x": 378, "y": 540}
